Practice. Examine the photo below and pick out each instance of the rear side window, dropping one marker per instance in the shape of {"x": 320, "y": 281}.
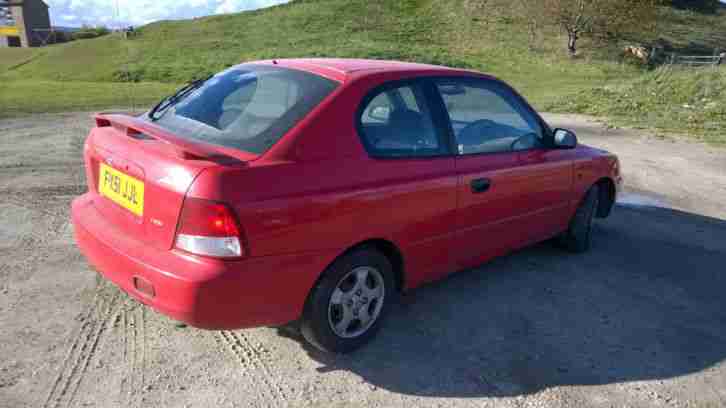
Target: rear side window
{"x": 397, "y": 122}
{"x": 247, "y": 107}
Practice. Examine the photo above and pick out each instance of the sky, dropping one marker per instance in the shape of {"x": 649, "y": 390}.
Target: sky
{"x": 75, "y": 13}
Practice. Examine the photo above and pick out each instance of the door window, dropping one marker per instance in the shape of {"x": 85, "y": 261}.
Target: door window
{"x": 486, "y": 117}
{"x": 397, "y": 122}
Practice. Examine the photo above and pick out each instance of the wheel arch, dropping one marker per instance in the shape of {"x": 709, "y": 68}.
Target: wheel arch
{"x": 319, "y": 332}
{"x": 390, "y": 251}
{"x": 384, "y": 246}
{"x": 607, "y": 196}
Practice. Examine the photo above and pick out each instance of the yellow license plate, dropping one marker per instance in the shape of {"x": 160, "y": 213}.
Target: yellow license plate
{"x": 124, "y": 190}
{"x": 9, "y": 31}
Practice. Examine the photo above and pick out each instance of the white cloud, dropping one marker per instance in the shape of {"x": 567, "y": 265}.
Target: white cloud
{"x": 119, "y": 13}
{"x": 233, "y": 6}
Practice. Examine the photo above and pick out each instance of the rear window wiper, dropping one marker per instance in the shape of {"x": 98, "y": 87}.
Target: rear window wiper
{"x": 158, "y": 111}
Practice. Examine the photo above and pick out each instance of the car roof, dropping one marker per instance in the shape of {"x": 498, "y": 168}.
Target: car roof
{"x": 342, "y": 69}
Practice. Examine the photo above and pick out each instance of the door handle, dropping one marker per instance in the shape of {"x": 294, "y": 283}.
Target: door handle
{"x": 480, "y": 185}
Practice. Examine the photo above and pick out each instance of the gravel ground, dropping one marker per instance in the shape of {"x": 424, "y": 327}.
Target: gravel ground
{"x": 639, "y": 321}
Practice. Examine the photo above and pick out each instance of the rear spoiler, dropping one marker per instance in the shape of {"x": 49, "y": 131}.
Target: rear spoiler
{"x": 186, "y": 149}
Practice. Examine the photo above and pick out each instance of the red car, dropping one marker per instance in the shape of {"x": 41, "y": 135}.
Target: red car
{"x": 316, "y": 190}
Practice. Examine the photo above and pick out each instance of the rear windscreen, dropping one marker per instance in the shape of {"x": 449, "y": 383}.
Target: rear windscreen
{"x": 247, "y": 107}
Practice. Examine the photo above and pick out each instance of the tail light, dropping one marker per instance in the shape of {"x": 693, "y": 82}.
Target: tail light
{"x": 208, "y": 228}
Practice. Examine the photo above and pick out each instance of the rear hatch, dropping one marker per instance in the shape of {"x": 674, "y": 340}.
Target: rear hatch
{"x": 142, "y": 173}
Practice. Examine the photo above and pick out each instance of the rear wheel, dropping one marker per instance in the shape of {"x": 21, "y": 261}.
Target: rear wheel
{"x": 578, "y": 237}
{"x": 345, "y": 309}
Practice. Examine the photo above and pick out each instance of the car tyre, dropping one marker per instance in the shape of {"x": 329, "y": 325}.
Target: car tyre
{"x": 578, "y": 237}
{"x": 338, "y": 300}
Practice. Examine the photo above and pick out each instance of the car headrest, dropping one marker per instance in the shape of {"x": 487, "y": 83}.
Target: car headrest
{"x": 406, "y": 119}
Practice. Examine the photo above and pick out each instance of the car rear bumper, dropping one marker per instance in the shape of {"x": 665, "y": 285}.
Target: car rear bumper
{"x": 203, "y": 292}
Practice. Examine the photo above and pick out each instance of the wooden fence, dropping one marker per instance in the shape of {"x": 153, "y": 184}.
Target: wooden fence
{"x": 698, "y": 60}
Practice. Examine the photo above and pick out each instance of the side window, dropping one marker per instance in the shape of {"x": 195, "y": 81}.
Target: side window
{"x": 378, "y": 110}
{"x": 397, "y": 122}
{"x": 487, "y": 118}
{"x": 408, "y": 98}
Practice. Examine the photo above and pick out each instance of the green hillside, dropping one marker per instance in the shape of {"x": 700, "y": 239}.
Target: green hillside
{"x": 12, "y": 58}
{"x": 670, "y": 100}
{"x": 438, "y": 31}
{"x": 449, "y": 32}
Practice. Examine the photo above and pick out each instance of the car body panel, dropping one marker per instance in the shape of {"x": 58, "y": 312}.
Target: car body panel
{"x": 203, "y": 292}
{"x": 315, "y": 194}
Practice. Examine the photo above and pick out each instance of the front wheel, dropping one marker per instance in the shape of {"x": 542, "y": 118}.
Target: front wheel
{"x": 345, "y": 309}
{"x": 578, "y": 236}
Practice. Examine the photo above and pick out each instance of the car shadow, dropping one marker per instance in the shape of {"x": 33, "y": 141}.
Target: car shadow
{"x": 647, "y": 302}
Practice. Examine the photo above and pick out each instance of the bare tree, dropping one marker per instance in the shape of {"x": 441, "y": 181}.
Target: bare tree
{"x": 533, "y": 18}
{"x": 603, "y": 19}
{"x": 606, "y": 18}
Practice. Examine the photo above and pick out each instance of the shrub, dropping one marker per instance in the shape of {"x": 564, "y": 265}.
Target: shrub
{"x": 87, "y": 32}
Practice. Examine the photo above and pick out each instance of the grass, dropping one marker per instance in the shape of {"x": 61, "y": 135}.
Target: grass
{"x": 671, "y": 100}
{"x": 95, "y": 72}
{"x": 15, "y": 57}
{"x": 39, "y": 96}
{"x": 691, "y": 32}
{"x": 433, "y": 31}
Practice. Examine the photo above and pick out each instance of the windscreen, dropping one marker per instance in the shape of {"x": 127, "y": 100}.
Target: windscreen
{"x": 247, "y": 107}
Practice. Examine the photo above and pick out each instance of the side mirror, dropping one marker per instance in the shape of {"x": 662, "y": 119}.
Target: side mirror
{"x": 565, "y": 139}
{"x": 380, "y": 113}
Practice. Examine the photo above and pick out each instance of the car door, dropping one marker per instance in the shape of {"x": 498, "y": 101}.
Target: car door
{"x": 498, "y": 201}
{"x": 406, "y": 140}
{"x": 548, "y": 191}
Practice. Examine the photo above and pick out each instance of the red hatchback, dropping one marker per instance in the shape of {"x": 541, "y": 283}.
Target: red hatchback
{"x": 317, "y": 189}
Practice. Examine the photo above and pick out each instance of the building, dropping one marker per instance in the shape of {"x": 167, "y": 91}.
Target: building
{"x": 24, "y": 23}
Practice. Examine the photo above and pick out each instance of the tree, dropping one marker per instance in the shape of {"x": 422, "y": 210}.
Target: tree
{"x": 86, "y": 32}
{"x": 532, "y": 16}
{"x": 603, "y": 18}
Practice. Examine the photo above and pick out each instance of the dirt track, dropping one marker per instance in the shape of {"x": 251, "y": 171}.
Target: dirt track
{"x": 639, "y": 321}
